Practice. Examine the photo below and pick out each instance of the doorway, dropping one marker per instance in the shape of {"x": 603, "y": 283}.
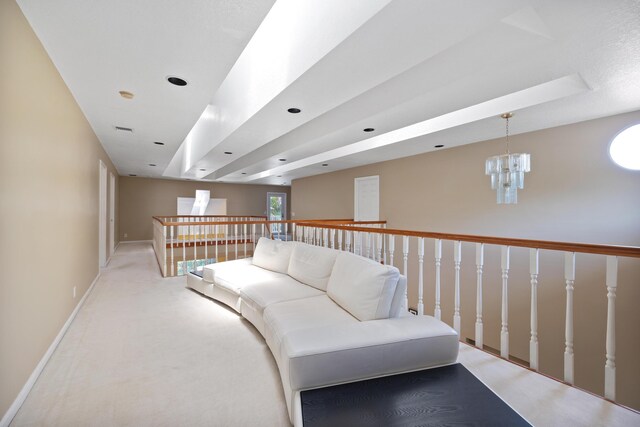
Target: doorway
{"x": 112, "y": 214}
{"x": 102, "y": 215}
{"x": 367, "y": 199}
{"x": 277, "y": 211}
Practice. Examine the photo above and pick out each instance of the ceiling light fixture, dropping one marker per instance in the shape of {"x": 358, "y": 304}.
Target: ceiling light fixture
{"x": 294, "y": 110}
{"x": 126, "y": 94}
{"x": 132, "y": 174}
{"x": 625, "y": 148}
{"x": 151, "y": 164}
{"x": 368, "y": 129}
{"x": 325, "y": 164}
{"x": 228, "y": 152}
{"x": 282, "y": 160}
{"x": 176, "y": 81}
{"x": 124, "y": 129}
{"x": 202, "y": 170}
{"x": 159, "y": 143}
{"x": 438, "y": 146}
{"x": 507, "y": 171}
{"x": 244, "y": 173}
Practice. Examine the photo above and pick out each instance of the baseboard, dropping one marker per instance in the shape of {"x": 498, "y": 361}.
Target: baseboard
{"x": 17, "y": 403}
{"x": 137, "y": 241}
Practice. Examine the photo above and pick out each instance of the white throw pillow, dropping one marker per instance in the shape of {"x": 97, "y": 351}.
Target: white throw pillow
{"x": 362, "y": 287}
{"x": 312, "y": 265}
{"x": 272, "y": 254}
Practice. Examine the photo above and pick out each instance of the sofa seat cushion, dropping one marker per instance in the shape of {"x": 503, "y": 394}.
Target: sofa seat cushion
{"x": 285, "y": 317}
{"x": 312, "y": 265}
{"x": 273, "y": 255}
{"x": 235, "y": 279}
{"x": 332, "y": 354}
{"x": 209, "y": 271}
{"x": 261, "y": 294}
{"x": 362, "y": 286}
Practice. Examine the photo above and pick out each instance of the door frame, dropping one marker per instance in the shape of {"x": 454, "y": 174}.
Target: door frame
{"x": 284, "y": 209}
{"x": 102, "y": 214}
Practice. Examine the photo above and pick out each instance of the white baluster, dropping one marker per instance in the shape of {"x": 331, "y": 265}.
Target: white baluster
{"x": 368, "y": 243}
{"x": 457, "y": 258}
{"x": 569, "y": 277}
{"x": 533, "y": 343}
{"x": 235, "y": 237}
{"x": 253, "y": 238}
{"x": 348, "y": 241}
{"x": 479, "y": 266}
{"x": 437, "y": 313}
{"x": 226, "y": 242}
{"x": 333, "y": 238}
{"x": 195, "y": 246}
{"x": 420, "y": 275}
{"x": 173, "y": 269}
{"x": 504, "y": 331}
{"x": 610, "y": 365}
{"x": 405, "y": 271}
{"x": 206, "y": 241}
{"x": 184, "y": 249}
{"x": 325, "y": 237}
{"x": 244, "y": 238}
{"x": 356, "y": 242}
{"x": 215, "y": 239}
{"x": 392, "y": 247}
{"x": 379, "y": 247}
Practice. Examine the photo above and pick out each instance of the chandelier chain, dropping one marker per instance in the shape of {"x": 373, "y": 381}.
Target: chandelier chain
{"x": 507, "y": 119}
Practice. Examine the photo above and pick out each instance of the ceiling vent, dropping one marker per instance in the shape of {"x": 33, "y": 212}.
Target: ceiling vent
{"x": 123, "y": 129}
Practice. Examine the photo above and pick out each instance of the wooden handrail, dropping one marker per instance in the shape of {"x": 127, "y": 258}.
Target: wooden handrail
{"x": 264, "y": 221}
{"x": 625, "y": 251}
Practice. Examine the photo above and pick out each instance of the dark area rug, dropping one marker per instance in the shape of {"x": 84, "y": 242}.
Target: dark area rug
{"x": 446, "y": 396}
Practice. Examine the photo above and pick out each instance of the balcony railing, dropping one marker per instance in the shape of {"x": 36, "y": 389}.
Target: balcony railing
{"x": 450, "y": 275}
{"x": 406, "y": 250}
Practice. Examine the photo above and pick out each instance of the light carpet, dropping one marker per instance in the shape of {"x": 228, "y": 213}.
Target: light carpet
{"x": 147, "y": 351}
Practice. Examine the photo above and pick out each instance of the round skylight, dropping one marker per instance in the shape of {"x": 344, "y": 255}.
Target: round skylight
{"x": 625, "y": 148}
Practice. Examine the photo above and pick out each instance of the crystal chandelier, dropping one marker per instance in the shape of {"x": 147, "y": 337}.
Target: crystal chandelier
{"x": 507, "y": 171}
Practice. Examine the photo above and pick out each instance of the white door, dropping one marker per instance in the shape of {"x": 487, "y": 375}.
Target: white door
{"x": 277, "y": 211}
{"x": 367, "y": 199}
{"x": 102, "y": 216}
{"x": 112, "y": 214}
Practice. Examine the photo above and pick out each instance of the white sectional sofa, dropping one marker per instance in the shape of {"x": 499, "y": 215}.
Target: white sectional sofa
{"x": 328, "y": 316}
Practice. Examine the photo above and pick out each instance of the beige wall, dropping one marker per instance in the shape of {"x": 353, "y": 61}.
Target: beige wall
{"x": 48, "y": 202}
{"x": 573, "y": 193}
{"x": 142, "y": 198}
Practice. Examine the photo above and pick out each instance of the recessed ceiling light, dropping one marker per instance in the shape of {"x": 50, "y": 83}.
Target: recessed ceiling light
{"x": 294, "y": 110}
{"x": 279, "y": 176}
{"x": 151, "y": 164}
{"x": 132, "y": 174}
{"x": 158, "y": 143}
{"x": 368, "y": 129}
{"x": 439, "y": 146}
{"x": 282, "y": 160}
{"x": 124, "y": 129}
{"x": 244, "y": 173}
{"x": 126, "y": 94}
{"x": 325, "y": 164}
{"x": 202, "y": 170}
{"x": 176, "y": 81}
{"x": 228, "y": 152}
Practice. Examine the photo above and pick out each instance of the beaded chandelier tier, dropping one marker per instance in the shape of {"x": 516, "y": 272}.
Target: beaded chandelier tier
{"x": 507, "y": 171}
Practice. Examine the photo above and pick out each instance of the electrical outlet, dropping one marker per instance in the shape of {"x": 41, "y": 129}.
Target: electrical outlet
{"x": 126, "y": 235}
{"x": 74, "y": 292}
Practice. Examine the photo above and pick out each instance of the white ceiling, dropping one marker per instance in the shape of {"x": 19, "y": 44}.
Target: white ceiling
{"x": 420, "y": 72}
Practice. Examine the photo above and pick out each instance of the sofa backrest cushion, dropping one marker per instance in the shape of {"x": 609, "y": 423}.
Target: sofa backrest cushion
{"x": 273, "y": 255}
{"x": 362, "y": 287}
{"x": 398, "y": 303}
{"x": 312, "y": 265}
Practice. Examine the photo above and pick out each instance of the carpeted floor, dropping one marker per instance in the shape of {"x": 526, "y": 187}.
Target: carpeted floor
{"x": 146, "y": 351}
